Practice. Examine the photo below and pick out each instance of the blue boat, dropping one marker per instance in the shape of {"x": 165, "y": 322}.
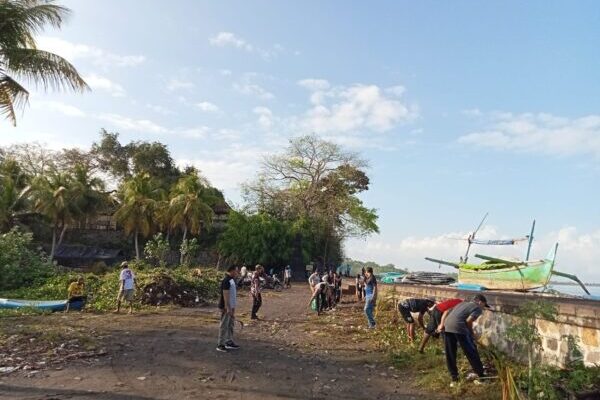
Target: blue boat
{"x": 42, "y": 305}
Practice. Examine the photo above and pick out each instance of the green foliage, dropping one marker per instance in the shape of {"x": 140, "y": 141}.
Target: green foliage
{"x": 356, "y": 266}
{"x": 102, "y": 290}
{"x": 20, "y": 265}
{"x": 256, "y": 239}
{"x": 19, "y": 57}
{"x": 189, "y": 249}
{"x": 156, "y": 250}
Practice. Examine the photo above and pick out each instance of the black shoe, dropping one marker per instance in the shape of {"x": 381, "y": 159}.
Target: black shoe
{"x": 222, "y": 348}
{"x": 254, "y": 317}
{"x": 232, "y": 346}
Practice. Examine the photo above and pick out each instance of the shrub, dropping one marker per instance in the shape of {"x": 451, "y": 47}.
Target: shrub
{"x": 20, "y": 264}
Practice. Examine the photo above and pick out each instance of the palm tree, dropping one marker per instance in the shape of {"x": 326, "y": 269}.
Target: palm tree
{"x": 139, "y": 199}
{"x": 14, "y": 190}
{"x": 53, "y": 197}
{"x": 20, "y": 20}
{"x": 190, "y": 205}
{"x": 89, "y": 197}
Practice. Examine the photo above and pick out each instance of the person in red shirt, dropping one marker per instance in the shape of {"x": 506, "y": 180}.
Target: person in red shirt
{"x": 436, "y": 316}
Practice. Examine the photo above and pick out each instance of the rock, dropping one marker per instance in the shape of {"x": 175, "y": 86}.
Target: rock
{"x": 141, "y": 378}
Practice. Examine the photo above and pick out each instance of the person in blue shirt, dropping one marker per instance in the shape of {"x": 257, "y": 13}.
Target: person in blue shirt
{"x": 370, "y": 296}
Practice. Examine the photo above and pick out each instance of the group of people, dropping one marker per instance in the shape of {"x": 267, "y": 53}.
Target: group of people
{"x": 76, "y": 292}
{"x": 452, "y": 319}
{"x": 325, "y": 289}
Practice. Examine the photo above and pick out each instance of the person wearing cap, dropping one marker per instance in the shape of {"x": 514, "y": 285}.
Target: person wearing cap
{"x": 409, "y": 306}
{"x": 76, "y": 292}
{"x": 458, "y": 329}
{"x": 437, "y": 314}
{"x": 127, "y": 287}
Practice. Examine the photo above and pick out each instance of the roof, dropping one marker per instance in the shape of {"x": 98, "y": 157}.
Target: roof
{"x": 87, "y": 252}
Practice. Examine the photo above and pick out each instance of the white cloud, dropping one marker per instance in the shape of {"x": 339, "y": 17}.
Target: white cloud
{"x": 57, "y": 106}
{"x": 252, "y": 89}
{"x": 194, "y": 133}
{"x": 397, "y": 90}
{"x": 139, "y": 125}
{"x": 97, "y": 82}
{"x": 225, "y": 72}
{"x": 341, "y": 109}
{"x": 577, "y": 252}
{"x": 538, "y": 133}
{"x": 314, "y": 84}
{"x": 74, "y": 51}
{"x": 265, "y": 117}
{"x": 224, "y": 39}
{"x": 176, "y": 84}
{"x": 159, "y": 109}
{"x": 207, "y": 106}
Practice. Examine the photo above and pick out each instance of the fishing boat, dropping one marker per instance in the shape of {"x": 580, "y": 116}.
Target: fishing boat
{"x": 506, "y": 274}
{"x": 41, "y": 305}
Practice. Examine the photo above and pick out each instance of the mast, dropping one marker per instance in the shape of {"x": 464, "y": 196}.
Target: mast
{"x": 530, "y": 241}
{"x": 472, "y": 237}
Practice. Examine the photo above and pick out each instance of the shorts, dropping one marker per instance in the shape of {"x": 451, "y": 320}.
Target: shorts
{"x": 405, "y": 312}
{"x": 77, "y": 299}
{"x": 127, "y": 294}
{"x": 435, "y": 317}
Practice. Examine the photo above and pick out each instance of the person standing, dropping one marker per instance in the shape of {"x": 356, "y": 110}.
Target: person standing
{"x": 409, "y": 306}
{"x": 359, "y": 287}
{"x": 337, "y": 283}
{"x": 76, "y": 293}
{"x": 370, "y": 297}
{"x": 227, "y": 304}
{"x": 313, "y": 280}
{"x": 436, "y": 314}
{"x": 458, "y": 329}
{"x": 127, "y": 285}
{"x": 255, "y": 290}
{"x": 287, "y": 277}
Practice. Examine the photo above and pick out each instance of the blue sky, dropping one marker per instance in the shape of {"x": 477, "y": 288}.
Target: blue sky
{"x": 461, "y": 108}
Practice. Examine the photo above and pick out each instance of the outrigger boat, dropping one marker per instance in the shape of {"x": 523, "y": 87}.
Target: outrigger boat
{"x": 504, "y": 274}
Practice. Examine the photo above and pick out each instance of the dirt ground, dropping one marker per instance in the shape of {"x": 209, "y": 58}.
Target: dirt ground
{"x": 170, "y": 354}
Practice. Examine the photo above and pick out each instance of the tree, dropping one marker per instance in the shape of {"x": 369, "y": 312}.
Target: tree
{"x": 20, "y": 58}
{"x": 14, "y": 190}
{"x": 89, "y": 197}
{"x": 190, "y": 206}
{"x": 139, "y": 198}
{"x": 53, "y": 196}
{"x": 315, "y": 184}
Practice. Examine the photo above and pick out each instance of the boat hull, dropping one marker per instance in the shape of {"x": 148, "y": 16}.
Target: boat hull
{"x": 525, "y": 277}
{"x": 54, "y": 305}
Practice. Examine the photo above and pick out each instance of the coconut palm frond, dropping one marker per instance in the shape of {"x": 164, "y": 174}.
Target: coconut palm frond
{"x": 21, "y": 20}
{"x": 43, "y": 69}
{"x": 12, "y": 97}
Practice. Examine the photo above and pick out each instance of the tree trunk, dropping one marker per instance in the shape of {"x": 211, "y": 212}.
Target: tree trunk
{"x": 218, "y": 261}
{"x": 62, "y": 235}
{"x": 53, "y": 243}
{"x": 181, "y": 256}
{"x": 137, "y": 247}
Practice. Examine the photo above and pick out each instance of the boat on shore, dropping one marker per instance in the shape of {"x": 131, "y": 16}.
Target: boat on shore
{"x": 41, "y": 305}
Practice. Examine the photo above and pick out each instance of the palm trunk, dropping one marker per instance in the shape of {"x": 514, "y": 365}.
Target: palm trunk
{"x": 53, "y": 242}
{"x": 181, "y": 256}
{"x": 137, "y": 247}
{"x": 62, "y": 235}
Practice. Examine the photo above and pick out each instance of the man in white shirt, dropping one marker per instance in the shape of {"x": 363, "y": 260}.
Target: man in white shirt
{"x": 127, "y": 287}
{"x": 313, "y": 280}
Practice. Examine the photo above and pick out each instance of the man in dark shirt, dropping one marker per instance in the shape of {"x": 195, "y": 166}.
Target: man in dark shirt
{"x": 436, "y": 313}
{"x": 458, "y": 329}
{"x": 227, "y": 304}
{"x": 409, "y": 306}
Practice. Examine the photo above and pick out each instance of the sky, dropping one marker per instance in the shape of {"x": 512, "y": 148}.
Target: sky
{"x": 461, "y": 107}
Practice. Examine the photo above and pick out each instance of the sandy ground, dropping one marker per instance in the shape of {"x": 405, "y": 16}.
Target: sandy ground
{"x": 170, "y": 354}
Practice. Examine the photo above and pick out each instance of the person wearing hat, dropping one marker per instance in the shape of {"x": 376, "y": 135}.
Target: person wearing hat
{"x": 458, "y": 330}
{"x": 127, "y": 286}
{"x": 409, "y": 306}
{"x": 76, "y": 293}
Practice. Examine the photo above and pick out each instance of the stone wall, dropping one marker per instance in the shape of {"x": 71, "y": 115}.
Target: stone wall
{"x": 577, "y": 320}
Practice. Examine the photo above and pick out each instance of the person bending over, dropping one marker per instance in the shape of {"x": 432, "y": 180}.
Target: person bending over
{"x": 409, "y": 306}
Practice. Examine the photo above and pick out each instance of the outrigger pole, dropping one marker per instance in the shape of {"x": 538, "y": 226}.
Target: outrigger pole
{"x": 472, "y": 237}
{"x": 530, "y": 241}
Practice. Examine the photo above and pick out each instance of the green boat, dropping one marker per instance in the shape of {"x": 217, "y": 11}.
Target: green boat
{"x": 501, "y": 274}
